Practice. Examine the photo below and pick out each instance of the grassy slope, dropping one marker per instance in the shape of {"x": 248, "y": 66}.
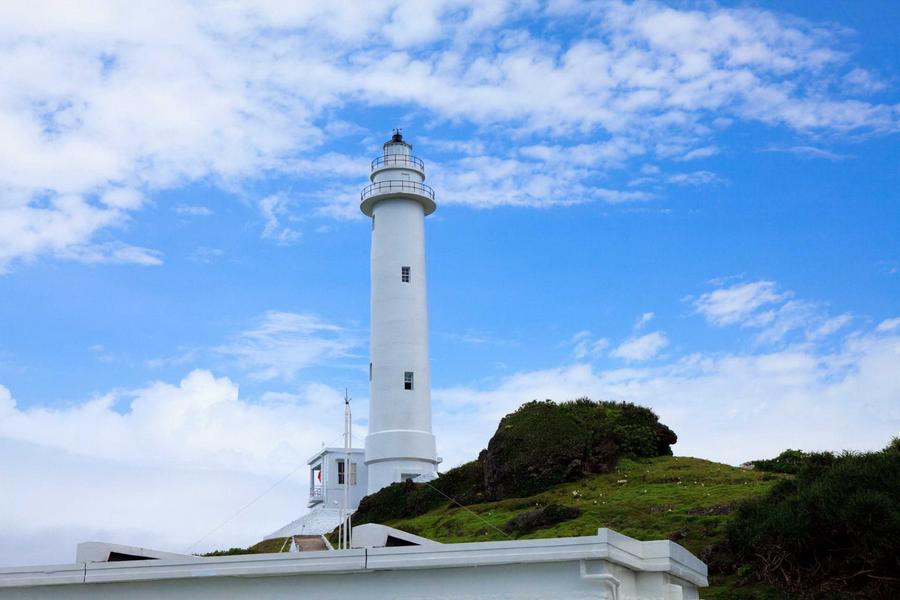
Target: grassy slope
{"x": 679, "y": 498}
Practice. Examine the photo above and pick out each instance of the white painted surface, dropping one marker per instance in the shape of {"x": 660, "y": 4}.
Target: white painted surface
{"x": 329, "y": 492}
{"x": 91, "y": 552}
{"x": 372, "y": 535}
{"x": 318, "y": 521}
{"x": 400, "y": 442}
{"x": 607, "y": 565}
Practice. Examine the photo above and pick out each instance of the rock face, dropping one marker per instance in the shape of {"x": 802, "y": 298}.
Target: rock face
{"x": 544, "y": 444}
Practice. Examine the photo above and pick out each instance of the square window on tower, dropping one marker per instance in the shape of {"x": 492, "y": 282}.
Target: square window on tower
{"x": 404, "y": 274}
{"x": 408, "y": 380}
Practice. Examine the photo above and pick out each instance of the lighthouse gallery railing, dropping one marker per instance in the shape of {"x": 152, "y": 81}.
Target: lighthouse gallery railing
{"x": 399, "y": 160}
{"x": 398, "y": 186}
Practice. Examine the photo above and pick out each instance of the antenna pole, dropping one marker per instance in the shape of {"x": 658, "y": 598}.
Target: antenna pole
{"x": 345, "y": 513}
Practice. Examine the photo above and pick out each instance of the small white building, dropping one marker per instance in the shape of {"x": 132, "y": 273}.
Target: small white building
{"x": 328, "y": 476}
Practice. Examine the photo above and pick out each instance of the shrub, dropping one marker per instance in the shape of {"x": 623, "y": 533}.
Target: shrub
{"x": 407, "y": 499}
{"x": 831, "y": 530}
{"x": 793, "y": 461}
{"x": 543, "y": 444}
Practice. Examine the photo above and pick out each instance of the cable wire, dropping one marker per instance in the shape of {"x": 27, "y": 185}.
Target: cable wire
{"x": 243, "y": 508}
{"x": 479, "y": 517}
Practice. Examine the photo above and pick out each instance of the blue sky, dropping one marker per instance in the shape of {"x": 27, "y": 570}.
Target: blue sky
{"x": 692, "y": 206}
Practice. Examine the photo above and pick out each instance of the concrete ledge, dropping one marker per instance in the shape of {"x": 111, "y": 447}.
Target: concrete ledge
{"x": 14, "y": 577}
{"x": 663, "y": 557}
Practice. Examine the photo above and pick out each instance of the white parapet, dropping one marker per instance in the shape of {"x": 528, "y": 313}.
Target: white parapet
{"x": 607, "y": 565}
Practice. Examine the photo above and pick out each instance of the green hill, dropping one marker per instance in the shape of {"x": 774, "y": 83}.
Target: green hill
{"x": 684, "y": 499}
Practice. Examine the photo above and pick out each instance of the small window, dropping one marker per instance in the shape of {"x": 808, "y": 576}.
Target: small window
{"x": 340, "y": 471}
{"x": 370, "y": 371}
{"x": 373, "y": 222}
{"x": 408, "y": 380}
{"x": 404, "y": 274}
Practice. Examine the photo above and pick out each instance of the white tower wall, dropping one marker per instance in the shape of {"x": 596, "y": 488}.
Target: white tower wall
{"x": 400, "y": 443}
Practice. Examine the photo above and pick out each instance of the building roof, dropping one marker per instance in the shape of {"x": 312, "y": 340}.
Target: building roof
{"x": 333, "y": 450}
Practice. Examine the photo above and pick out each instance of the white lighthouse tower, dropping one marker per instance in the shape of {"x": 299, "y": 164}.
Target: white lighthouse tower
{"x": 400, "y": 444}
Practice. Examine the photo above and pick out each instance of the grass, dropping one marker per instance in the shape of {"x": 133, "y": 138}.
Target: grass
{"x": 688, "y": 500}
{"x": 264, "y": 547}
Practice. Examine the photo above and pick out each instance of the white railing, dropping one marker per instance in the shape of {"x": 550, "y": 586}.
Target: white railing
{"x": 396, "y": 186}
{"x": 398, "y": 160}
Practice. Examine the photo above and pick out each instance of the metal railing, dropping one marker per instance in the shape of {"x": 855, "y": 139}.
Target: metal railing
{"x": 398, "y": 160}
{"x": 396, "y": 186}
{"x": 316, "y": 492}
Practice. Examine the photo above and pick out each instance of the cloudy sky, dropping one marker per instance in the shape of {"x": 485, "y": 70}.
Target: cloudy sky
{"x": 690, "y": 206}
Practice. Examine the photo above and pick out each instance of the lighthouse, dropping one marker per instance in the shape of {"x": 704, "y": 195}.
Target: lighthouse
{"x": 400, "y": 444}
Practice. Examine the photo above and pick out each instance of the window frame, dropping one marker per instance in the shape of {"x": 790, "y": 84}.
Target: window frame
{"x": 409, "y": 378}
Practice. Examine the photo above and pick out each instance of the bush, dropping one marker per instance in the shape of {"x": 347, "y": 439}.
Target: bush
{"x": 793, "y": 461}
{"x": 832, "y": 530}
{"x": 543, "y": 444}
{"x": 407, "y": 499}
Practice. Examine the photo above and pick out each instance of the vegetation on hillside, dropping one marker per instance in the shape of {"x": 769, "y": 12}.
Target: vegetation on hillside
{"x": 273, "y": 545}
{"x": 688, "y": 500}
{"x": 540, "y": 445}
{"x": 833, "y": 529}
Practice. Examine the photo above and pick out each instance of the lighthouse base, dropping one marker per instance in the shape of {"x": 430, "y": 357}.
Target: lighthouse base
{"x": 397, "y": 455}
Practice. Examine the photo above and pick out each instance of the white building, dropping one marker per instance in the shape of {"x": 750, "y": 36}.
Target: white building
{"x": 400, "y": 444}
{"x": 327, "y": 479}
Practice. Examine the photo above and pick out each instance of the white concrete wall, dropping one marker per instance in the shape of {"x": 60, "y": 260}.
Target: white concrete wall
{"x": 557, "y": 581}
{"x": 607, "y": 565}
{"x": 332, "y": 491}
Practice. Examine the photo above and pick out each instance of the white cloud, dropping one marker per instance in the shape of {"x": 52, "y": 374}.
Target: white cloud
{"x": 205, "y": 254}
{"x": 112, "y": 253}
{"x": 97, "y": 100}
{"x": 176, "y": 460}
{"x": 283, "y": 343}
{"x": 274, "y": 209}
{"x": 586, "y": 347}
{"x": 703, "y": 152}
{"x": 729, "y": 408}
{"x": 158, "y": 466}
{"x": 695, "y": 178}
{"x": 193, "y": 210}
{"x": 811, "y": 152}
{"x": 888, "y": 325}
{"x": 642, "y": 347}
{"x": 643, "y": 320}
{"x": 727, "y": 306}
{"x": 774, "y": 314}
